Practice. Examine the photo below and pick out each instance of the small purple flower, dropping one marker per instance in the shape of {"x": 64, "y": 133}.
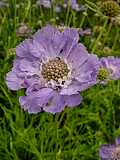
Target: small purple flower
{"x": 110, "y": 151}
{"x": 54, "y": 68}
{"x": 57, "y": 8}
{"x": 109, "y": 69}
{"x": 74, "y": 5}
{"x": 45, "y": 3}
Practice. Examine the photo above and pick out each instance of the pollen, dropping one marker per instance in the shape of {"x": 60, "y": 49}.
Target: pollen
{"x": 102, "y": 74}
{"x": 55, "y": 69}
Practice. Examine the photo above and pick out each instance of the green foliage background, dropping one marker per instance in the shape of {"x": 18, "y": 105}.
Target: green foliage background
{"x": 77, "y": 133}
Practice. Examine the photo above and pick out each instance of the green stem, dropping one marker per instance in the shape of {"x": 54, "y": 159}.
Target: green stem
{"x": 42, "y": 14}
{"x": 99, "y": 36}
{"x": 14, "y": 42}
{"x": 67, "y": 15}
{"x": 7, "y": 95}
{"x": 27, "y": 10}
{"x": 112, "y": 107}
{"x": 116, "y": 38}
{"x": 74, "y": 17}
{"x": 82, "y": 21}
{"x": 70, "y": 19}
{"x": 107, "y": 35}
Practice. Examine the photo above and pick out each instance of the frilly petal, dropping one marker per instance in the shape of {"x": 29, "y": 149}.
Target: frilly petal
{"x": 73, "y": 100}
{"x": 106, "y": 151}
{"x": 35, "y": 101}
{"x": 13, "y": 82}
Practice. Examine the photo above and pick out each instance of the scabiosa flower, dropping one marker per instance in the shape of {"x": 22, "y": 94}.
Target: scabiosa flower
{"x": 23, "y": 30}
{"x": 45, "y": 3}
{"x": 109, "y": 69}
{"x": 110, "y": 8}
{"x": 110, "y": 151}
{"x": 54, "y": 68}
{"x": 74, "y": 5}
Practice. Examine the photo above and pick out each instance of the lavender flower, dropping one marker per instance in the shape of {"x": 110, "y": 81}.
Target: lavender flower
{"x": 74, "y": 5}
{"x": 111, "y": 151}
{"x": 45, "y": 3}
{"x": 54, "y": 68}
{"x": 109, "y": 69}
{"x": 57, "y": 8}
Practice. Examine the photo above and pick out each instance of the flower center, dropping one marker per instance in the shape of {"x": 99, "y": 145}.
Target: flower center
{"x": 116, "y": 154}
{"x": 102, "y": 74}
{"x": 110, "y": 8}
{"x": 55, "y": 69}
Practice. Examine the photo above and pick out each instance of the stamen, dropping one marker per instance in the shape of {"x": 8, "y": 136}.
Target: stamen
{"x": 102, "y": 74}
{"x": 55, "y": 69}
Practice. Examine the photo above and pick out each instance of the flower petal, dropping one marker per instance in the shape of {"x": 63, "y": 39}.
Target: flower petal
{"x": 36, "y": 49}
{"x": 35, "y": 101}
{"x": 48, "y": 38}
{"x": 71, "y": 33}
{"x": 77, "y": 57}
{"x": 70, "y": 37}
{"x": 13, "y": 82}
{"x": 29, "y": 67}
{"x": 22, "y": 50}
{"x": 106, "y": 151}
{"x": 56, "y": 104}
{"x": 73, "y": 88}
{"x": 117, "y": 141}
{"x": 73, "y": 100}
{"x": 112, "y": 64}
{"x": 87, "y": 72}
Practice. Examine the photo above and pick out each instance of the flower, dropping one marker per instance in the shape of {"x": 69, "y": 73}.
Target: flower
{"x": 45, "y": 3}
{"x": 110, "y": 151}
{"x": 54, "y": 68}
{"x": 48, "y": 3}
{"x": 23, "y": 30}
{"x": 110, "y": 8}
{"x": 109, "y": 69}
{"x": 74, "y": 5}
